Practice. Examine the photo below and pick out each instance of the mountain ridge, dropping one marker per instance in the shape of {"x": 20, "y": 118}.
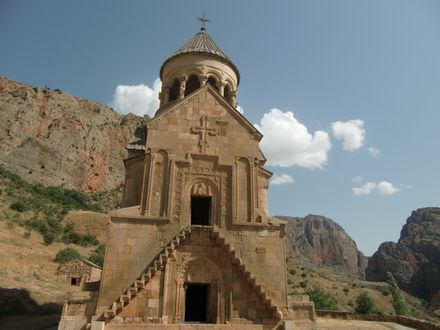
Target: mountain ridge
{"x": 57, "y": 139}
{"x": 322, "y": 242}
{"x": 415, "y": 259}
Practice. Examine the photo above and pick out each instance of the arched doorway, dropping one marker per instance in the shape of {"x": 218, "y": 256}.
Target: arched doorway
{"x": 202, "y": 292}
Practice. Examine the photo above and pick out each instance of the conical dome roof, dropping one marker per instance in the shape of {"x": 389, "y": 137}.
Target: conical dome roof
{"x": 202, "y": 43}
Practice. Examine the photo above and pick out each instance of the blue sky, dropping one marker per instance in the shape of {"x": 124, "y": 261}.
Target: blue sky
{"x": 373, "y": 66}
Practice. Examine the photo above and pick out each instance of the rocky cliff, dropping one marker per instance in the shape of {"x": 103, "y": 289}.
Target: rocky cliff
{"x": 57, "y": 139}
{"x": 322, "y": 242}
{"x": 415, "y": 259}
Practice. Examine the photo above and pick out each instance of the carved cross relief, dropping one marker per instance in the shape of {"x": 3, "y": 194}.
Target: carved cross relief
{"x": 204, "y": 130}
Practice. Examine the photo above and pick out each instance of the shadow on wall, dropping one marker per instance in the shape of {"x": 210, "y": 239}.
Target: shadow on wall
{"x": 18, "y": 310}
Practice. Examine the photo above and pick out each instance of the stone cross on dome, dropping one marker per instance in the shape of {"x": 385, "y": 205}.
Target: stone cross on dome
{"x": 204, "y": 20}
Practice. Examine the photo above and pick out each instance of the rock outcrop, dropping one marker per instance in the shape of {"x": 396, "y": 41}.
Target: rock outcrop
{"x": 415, "y": 259}
{"x": 56, "y": 139}
{"x": 322, "y": 242}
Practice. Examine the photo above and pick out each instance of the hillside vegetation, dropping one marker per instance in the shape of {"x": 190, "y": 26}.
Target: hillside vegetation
{"x": 42, "y": 209}
{"x": 302, "y": 280}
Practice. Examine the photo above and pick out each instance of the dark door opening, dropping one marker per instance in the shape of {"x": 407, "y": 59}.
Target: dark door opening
{"x": 200, "y": 209}
{"x": 196, "y": 303}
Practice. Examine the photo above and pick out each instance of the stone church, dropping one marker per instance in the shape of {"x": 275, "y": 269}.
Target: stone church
{"x": 193, "y": 241}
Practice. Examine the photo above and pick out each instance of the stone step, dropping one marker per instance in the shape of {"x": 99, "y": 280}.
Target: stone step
{"x": 146, "y": 277}
{"x": 139, "y": 283}
{"x": 119, "y": 305}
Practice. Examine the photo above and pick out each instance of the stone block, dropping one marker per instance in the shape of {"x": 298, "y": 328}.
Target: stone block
{"x": 97, "y": 325}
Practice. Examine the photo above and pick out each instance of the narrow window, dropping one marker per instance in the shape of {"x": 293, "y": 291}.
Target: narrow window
{"x": 174, "y": 90}
{"x": 227, "y": 94}
{"x": 192, "y": 84}
{"x": 213, "y": 82}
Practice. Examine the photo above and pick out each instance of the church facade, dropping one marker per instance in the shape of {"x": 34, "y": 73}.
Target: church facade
{"x": 193, "y": 242}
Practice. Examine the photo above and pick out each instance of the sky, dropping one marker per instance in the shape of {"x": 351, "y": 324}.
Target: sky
{"x": 346, "y": 92}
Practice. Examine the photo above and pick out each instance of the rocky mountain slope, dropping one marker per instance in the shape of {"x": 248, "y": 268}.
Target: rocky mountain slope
{"x": 57, "y": 139}
{"x": 415, "y": 259}
{"x": 319, "y": 241}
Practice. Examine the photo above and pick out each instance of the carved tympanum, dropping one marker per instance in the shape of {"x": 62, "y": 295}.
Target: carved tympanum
{"x": 201, "y": 189}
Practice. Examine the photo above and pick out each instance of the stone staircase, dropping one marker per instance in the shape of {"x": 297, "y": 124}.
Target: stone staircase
{"x": 238, "y": 261}
{"x": 157, "y": 263}
{"x": 160, "y": 260}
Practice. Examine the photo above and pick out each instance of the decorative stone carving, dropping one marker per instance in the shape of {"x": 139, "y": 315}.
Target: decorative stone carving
{"x": 201, "y": 189}
{"x": 204, "y": 130}
{"x": 222, "y": 125}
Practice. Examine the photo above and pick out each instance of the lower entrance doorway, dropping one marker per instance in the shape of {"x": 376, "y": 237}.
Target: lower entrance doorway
{"x": 200, "y": 210}
{"x": 196, "y": 303}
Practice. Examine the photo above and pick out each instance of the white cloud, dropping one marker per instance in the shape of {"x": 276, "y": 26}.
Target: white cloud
{"x": 240, "y": 109}
{"x": 374, "y": 152}
{"x": 365, "y": 189}
{"x": 383, "y": 187}
{"x": 386, "y": 188}
{"x": 350, "y": 132}
{"x": 358, "y": 179}
{"x": 287, "y": 142}
{"x": 138, "y": 99}
{"x": 281, "y": 179}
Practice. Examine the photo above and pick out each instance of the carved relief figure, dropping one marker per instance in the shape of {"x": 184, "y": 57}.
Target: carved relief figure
{"x": 201, "y": 189}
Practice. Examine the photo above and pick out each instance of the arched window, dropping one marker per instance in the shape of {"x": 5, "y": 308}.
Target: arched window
{"x": 174, "y": 90}
{"x": 227, "y": 93}
{"x": 192, "y": 84}
{"x": 213, "y": 82}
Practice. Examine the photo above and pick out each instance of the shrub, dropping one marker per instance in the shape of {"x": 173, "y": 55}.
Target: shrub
{"x": 71, "y": 236}
{"x": 18, "y": 206}
{"x": 292, "y": 271}
{"x": 303, "y": 284}
{"x": 48, "y": 238}
{"x": 322, "y": 299}
{"x": 399, "y": 303}
{"x": 289, "y": 281}
{"x": 97, "y": 256}
{"x": 365, "y": 304}
{"x": 66, "y": 255}
{"x": 346, "y": 290}
{"x": 27, "y": 233}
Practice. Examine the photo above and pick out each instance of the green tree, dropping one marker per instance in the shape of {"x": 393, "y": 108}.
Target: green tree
{"x": 97, "y": 256}
{"x": 365, "y": 304}
{"x": 67, "y": 254}
{"x": 322, "y": 299}
{"x": 399, "y": 303}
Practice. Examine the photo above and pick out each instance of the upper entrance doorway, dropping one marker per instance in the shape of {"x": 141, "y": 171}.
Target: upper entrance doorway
{"x": 200, "y": 210}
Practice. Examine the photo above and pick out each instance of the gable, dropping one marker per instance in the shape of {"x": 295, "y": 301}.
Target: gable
{"x": 210, "y": 94}
{"x": 204, "y": 122}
